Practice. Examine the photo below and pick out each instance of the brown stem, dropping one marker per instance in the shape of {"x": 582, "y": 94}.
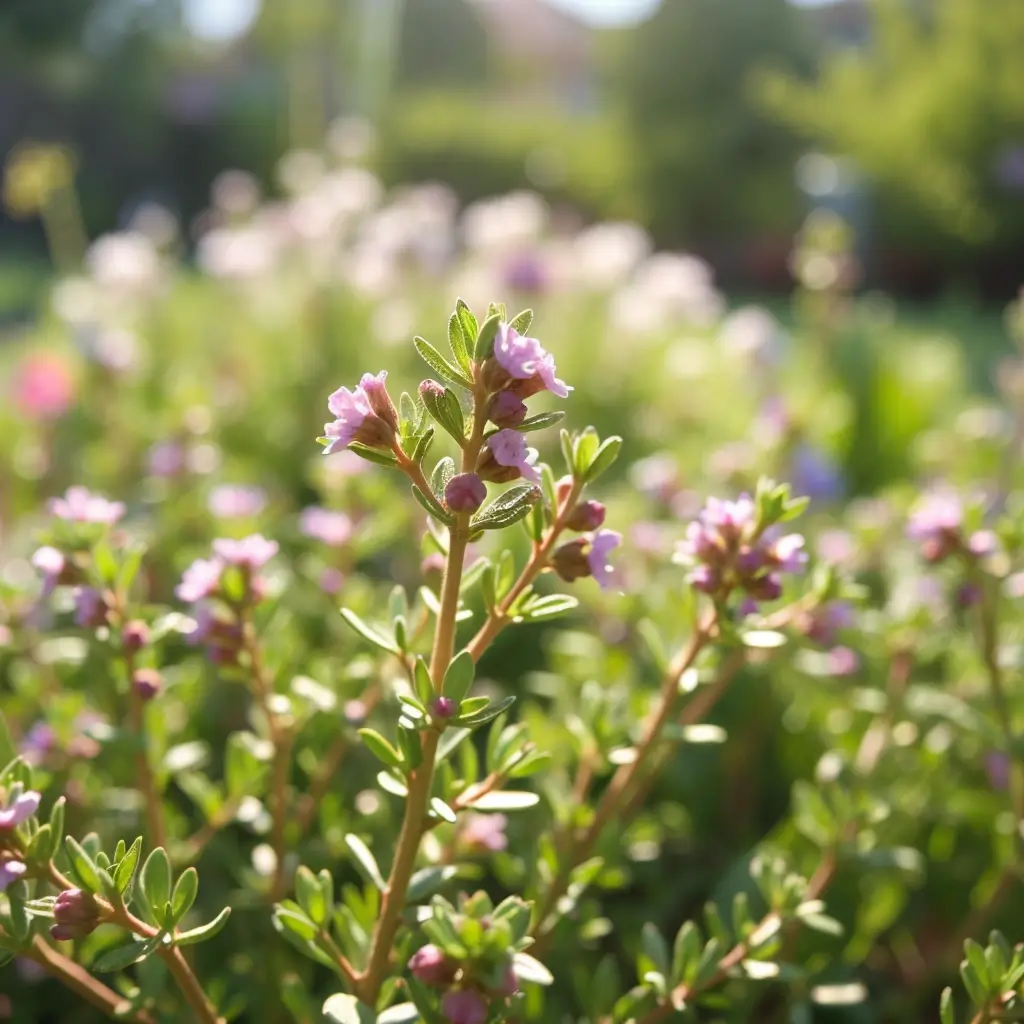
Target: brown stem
{"x": 192, "y": 847}
{"x": 420, "y": 780}
{"x": 622, "y": 780}
{"x": 187, "y": 983}
{"x": 344, "y": 965}
{"x": 79, "y": 980}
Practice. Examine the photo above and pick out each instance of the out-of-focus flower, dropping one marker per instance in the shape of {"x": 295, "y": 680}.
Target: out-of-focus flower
{"x": 359, "y": 415}
{"x": 50, "y": 563}
{"x": 465, "y": 492}
{"x": 43, "y": 386}
{"x": 325, "y": 525}
{"x": 998, "y": 768}
{"x": 10, "y": 871}
{"x": 166, "y": 459}
{"x": 485, "y": 832}
{"x": 19, "y": 810}
{"x": 823, "y": 623}
{"x": 842, "y": 661}
{"x": 134, "y": 636}
{"x": 815, "y": 475}
{"x": 656, "y": 476}
{"x": 431, "y": 966}
{"x": 935, "y": 521}
{"x": 80, "y": 505}
{"x": 236, "y": 193}
{"x": 501, "y": 222}
{"x": 507, "y": 457}
{"x": 606, "y": 254}
{"x": 466, "y": 1006}
{"x": 126, "y": 261}
{"x": 236, "y": 501}
{"x": 37, "y": 743}
{"x": 250, "y": 553}
{"x": 90, "y": 608}
{"x": 331, "y": 580}
{"x": 201, "y": 579}
{"x": 147, "y": 683}
{"x": 601, "y": 546}
{"x": 752, "y": 333}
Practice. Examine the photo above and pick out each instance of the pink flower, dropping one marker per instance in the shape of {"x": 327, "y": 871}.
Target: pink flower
{"x": 50, "y": 562}
{"x": 525, "y": 358}
{"x": 10, "y": 871}
{"x": 788, "y": 553}
{"x": 601, "y": 546}
{"x": 326, "y": 526}
{"x": 43, "y": 387}
{"x": 237, "y": 501}
{"x": 90, "y": 608}
{"x": 20, "y": 810}
{"x": 80, "y": 505}
{"x": 430, "y": 965}
{"x": 358, "y": 415}
{"x": 250, "y": 553}
{"x": 166, "y": 458}
{"x": 485, "y": 832}
{"x": 465, "y": 1007}
{"x": 508, "y": 448}
{"x": 200, "y": 579}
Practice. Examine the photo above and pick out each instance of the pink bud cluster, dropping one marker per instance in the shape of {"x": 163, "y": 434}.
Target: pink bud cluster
{"x": 727, "y": 551}
{"x": 467, "y": 1000}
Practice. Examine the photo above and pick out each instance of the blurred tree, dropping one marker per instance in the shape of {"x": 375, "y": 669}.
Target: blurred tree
{"x": 710, "y": 161}
{"x": 932, "y": 109}
{"x": 442, "y": 44}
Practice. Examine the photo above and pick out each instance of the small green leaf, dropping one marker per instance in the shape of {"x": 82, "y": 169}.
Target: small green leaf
{"x": 184, "y": 895}
{"x": 457, "y": 340}
{"x": 685, "y": 951}
{"x": 947, "y": 1008}
{"x": 459, "y": 677}
{"x": 310, "y": 895}
{"x": 82, "y": 865}
{"x": 506, "y": 800}
{"x": 155, "y": 882}
{"x": 529, "y": 969}
{"x": 120, "y": 957}
{"x": 655, "y": 948}
{"x": 346, "y": 1009}
{"x": 376, "y": 455}
{"x": 381, "y": 748}
{"x": 522, "y": 322}
{"x": 432, "y": 506}
{"x": 365, "y": 860}
{"x": 603, "y": 458}
{"x": 549, "y": 607}
{"x": 443, "y": 472}
{"x": 447, "y": 410}
{"x": 401, "y": 1013}
{"x": 427, "y": 880}
{"x": 204, "y": 931}
{"x": 440, "y": 365}
{"x": 125, "y": 870}
{"x": 507, "y": 509}
{"x": 372, "y": 634}
{"x": 485, "y": 338}
{"x": 442, "y": 810}
{"x": 484, "y": 716}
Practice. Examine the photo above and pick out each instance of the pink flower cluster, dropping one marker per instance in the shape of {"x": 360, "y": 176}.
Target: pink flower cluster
{"x": 80, "y": 505}
{"x": 727, "y": 551}
{"x": 526, "y": 360}
{"x": 202, "y": 579}
{"x": 365, "y": 415}
{"x": 588, "y": 555}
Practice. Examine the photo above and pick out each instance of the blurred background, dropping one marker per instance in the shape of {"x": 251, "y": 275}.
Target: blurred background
{"x": 715, "y": 124}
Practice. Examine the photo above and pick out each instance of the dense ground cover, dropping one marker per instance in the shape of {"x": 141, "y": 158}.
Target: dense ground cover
{"x": 731, "y": 728}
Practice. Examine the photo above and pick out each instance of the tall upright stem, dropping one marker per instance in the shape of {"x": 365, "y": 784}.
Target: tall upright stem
{"x": 421, "y": 778}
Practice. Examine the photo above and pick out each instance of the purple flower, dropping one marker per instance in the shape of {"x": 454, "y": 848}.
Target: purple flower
{"x": 331, "y": 580}
{"x": 50, "y": 562}
{"x": 147, "y": 683}
{"x": 430, "y": 965}
{"x": 485, "y": 832}
{"x": 80, "y": 505}
{"x": 464, "y": 1007}
{"x": 37, "y": 743}
{"x": 90, "y": 608}
{"x": 814, "y": 474}
{"x": 822, "y": 624}
{"x": 601, "y": 546}
{"x": 842, "y": 661}
{"x": 935, "y": 521}
{"x": 508, "y": 449}
{"x": 23, "y": 807}
{"x": 465, "y": 492}
{"x": 237, "y": 501}
{"x": 526, "y": 359}
{"x": 788, "y": 553}
{"x": 358, "y": 415}
{"x": 200, "y": 579}
{"x": 997, "y": 767}
{"x": 730, "y": 518}
{"x": 166, "y": 458}
{"x": 10, "y": 871}
{"x": 328, "y": 527}
{"x": 249, "y": 553}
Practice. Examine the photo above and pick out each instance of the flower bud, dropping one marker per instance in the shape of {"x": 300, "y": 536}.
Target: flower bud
{"x": 570, "y": 560}
{"x": 465, "y": 493}
{"x": 431, "y": 388}
{"x": 465, "y": 1007}
{"x": 75, "y": 913}
{"x": 509, "y": 984}
{"x": 444, "y": 707}
{"x": 506, "y": 409}
{"x": 586, "y": 516}
{"x": 134, "y": 636}
{"x": 429, "y": 965}
{"x": 147, "y": 683}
